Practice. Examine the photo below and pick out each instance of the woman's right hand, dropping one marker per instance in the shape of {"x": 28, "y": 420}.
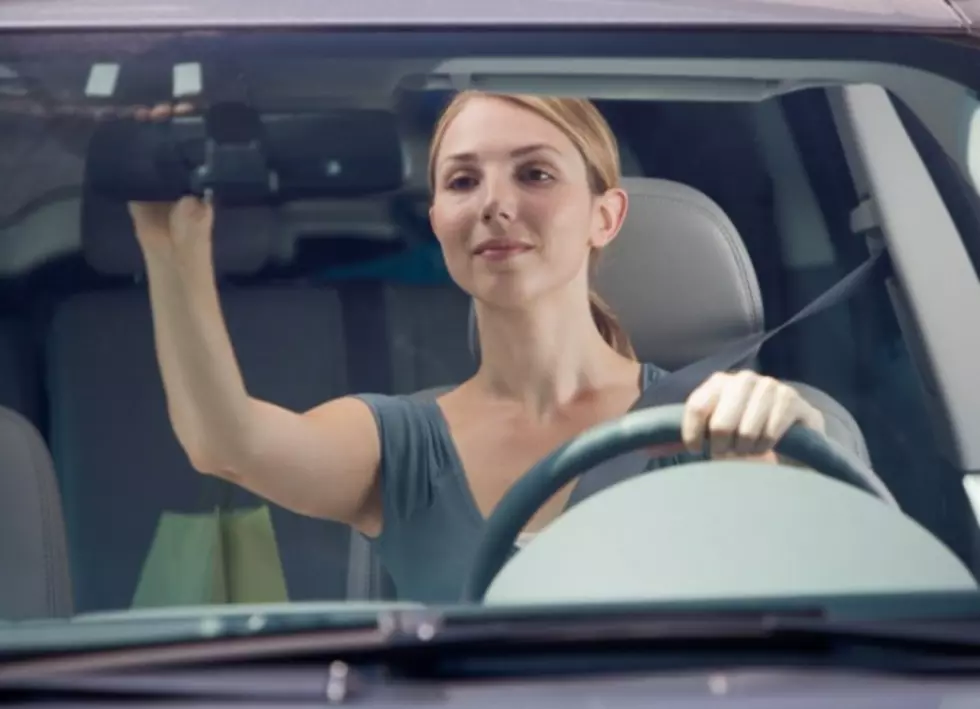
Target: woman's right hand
{"x": 170, "y": 226}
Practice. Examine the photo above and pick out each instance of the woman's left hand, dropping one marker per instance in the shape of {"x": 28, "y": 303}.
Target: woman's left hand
{"x": 743, "y": 414}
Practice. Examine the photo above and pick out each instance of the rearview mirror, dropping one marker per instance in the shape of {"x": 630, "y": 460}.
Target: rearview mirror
{"x": 240, "y": 156}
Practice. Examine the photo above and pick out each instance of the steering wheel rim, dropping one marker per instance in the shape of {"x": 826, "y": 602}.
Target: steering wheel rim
{"x": 647, "y": 427}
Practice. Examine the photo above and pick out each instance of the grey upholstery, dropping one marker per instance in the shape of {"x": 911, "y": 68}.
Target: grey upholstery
{"x": 33, "y": 557}
{"x": 678, "y": 276}
{"x": 838, "y": 421}
{"x": 427, "y": 336}
{"x": 118, "y": 459}
{"x": 680, "y": 280}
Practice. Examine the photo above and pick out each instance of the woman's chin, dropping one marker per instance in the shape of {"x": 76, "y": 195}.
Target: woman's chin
{"x": 502, "y": 293}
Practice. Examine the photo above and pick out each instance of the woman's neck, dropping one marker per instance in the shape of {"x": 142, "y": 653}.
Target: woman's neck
{"x": 545, "y": 356}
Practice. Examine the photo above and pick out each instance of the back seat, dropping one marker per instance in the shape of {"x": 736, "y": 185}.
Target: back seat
{"x": 404, "y": 295}
{"x": 33, "y": 557}
{"x": 118, "y": 460}
{"x": 427, "y": 336}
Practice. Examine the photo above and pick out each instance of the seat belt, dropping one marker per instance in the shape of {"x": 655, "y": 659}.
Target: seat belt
{"x": 675, "y": 387}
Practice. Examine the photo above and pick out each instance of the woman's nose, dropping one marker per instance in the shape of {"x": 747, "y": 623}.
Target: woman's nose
{"x": 499, "y": 200}
{"x": 493, "y": 212}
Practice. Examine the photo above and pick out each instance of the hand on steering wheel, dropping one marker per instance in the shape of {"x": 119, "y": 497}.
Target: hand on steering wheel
{"x": 644, "y": 428}
{"x": 744, "y": 414}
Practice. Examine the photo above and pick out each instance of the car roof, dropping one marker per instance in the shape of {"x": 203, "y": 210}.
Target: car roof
{"x": 969, "y": 9}
{"x": 840, "y": 14}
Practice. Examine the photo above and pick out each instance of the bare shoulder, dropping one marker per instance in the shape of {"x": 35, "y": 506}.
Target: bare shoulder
{"x": 321, "y": 463}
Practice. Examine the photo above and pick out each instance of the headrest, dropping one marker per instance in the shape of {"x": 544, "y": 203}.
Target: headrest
{"x": 244, "y": 238}
{"x": 416, "y": 150}
{"x": 678, "y": 276}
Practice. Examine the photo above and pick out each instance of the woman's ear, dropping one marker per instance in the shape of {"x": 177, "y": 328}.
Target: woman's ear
{"x": 610, "y": 213}
{"x": 432, "y": 218}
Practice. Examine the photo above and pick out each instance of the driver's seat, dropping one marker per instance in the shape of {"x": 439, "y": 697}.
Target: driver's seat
{"x": 680, "y": 281}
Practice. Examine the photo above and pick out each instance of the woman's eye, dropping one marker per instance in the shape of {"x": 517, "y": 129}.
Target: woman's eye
{"x": 460, "y": 182}
{"x": 536, "y": 174}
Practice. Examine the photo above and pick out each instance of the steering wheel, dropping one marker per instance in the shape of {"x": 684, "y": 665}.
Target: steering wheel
{"x": 648, "y": 427}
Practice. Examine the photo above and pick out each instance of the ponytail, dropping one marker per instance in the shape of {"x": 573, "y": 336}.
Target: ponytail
{"x": 609, "y": 326}
{"x": 604, "y": 318}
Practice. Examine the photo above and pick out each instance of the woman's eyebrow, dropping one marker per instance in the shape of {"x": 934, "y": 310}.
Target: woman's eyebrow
{"x": 533, "y": 148}
{"x": 470, "y": 157}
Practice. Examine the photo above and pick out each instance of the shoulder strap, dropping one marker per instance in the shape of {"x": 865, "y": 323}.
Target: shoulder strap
{"x": 675, "y": 387}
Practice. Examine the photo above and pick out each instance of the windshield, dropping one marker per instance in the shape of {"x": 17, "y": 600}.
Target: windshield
{"x": 293, "y": 328}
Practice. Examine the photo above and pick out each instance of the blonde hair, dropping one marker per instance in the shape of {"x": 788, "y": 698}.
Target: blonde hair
{"x": 591, "y": 135}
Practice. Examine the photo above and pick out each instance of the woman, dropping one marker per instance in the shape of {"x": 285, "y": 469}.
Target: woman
{"x": 525, "y": 195}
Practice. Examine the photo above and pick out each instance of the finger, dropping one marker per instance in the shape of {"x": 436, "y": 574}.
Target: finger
{"x": 727, "y": 416}
{"x": 183, "y": 108}
{"x": 698, "y": 409}
{"x": 160, "y": 111}
{"x": 140, "y": 211}
{"x": 203, "y": 210}
{"x": 750, "y": 437}
{"x": 191, "y": 209}
{"x": 142, "y": 113}
{"x": 786, "y": 410}
{"x": 812, "y": 418}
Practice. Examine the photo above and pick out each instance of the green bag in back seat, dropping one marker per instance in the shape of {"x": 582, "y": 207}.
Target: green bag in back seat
{"x": 226, "y": 556}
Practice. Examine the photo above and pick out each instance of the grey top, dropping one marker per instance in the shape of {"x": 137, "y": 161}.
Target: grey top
{"x": 432, "y": 525}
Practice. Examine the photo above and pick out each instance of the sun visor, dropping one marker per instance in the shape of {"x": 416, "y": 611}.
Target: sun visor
{"x": 242, "y": 157}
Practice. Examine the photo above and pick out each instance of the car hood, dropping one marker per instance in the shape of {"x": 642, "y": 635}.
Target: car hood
{"x": 936, "y": 15}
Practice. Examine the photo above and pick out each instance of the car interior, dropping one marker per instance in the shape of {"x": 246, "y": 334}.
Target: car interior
{"x": 741, "y": 213}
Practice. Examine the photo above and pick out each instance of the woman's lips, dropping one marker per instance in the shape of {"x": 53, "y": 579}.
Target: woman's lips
{"x": 501, "y": 252}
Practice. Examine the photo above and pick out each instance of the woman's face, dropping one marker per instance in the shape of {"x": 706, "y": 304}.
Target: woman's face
{"x": 512, "y": 207}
